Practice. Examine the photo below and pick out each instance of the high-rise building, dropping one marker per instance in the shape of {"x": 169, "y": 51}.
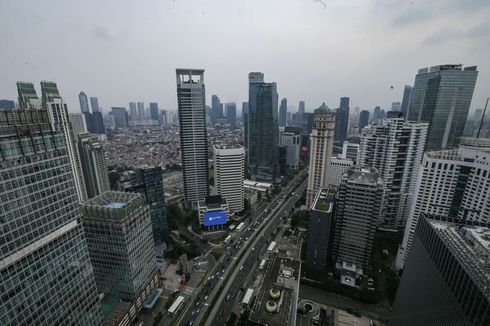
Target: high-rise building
{"x": 94, "y": 168}
{"x": 191, "y": 100}
{"x": 58, "y": 114}
{"x": 321, "y": 151}
{"x": 289, "y": 119}
{"x": 245, "y": 118}
{"x": 445, "y": 281}
{"x": 338, "y": 166}
{"x": 263, "y": 132}
{"x": 141, "y": 111}
{"x": 342, "y": 120}
{"x": 308, "y": 119}
{"x": 395, "y": 148}
{"x": 88, "y": 121}
{"x": 83, "y": 99}
{"x": 407, "y": 91}
{"x": 229, "y": 170}
{"x": 216, "y": 109}
{"x": 94, "y": 103}
{"x": 377, "y": 116}
{"x": 363, "y": 119}
{"x": 441, "y": 96}
{"x": 98, "y": 123}
{"x": 78, "y": 123}
{"x": 351, "y": 151}
{"x": 320, "y": 231}
{"x": 148, "y": 182}
{"x": 118, "y": 230}
{"x": 154, "y": 111}
{"x": 291, "y": 139}
{"x": 119, "y": 117}
{"x": 231, "y": 113}
{"x": 46, "y": 275}
{"x": 454, "y": 183}
{"x": 27, "y": 96}
{"x": 283, "y": 109}
{"x": 396, "y": 106}
{"x": 133, "y": 112}
{"x": 301, "y": 108}
{"x": 7, "y": 104}
{"x": 357, "y": 213}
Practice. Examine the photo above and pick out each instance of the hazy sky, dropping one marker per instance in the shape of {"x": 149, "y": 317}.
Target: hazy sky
{"x": 122, "y": 51}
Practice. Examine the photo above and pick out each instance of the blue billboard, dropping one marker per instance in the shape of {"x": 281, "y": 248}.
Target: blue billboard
{"x": 214, "y": 218}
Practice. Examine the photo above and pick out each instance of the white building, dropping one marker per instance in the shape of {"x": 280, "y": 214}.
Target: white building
{"x": 350, "y": 151}
{"x": 78, "y": 123}
{"x": 229, "y": 169}
{"x": 321, "y": 151}
{"x": 292, "y": 142}
{"x": 338, "y": 166}
{"x": 451, "y": 183}
{"x": 395, "y": 148}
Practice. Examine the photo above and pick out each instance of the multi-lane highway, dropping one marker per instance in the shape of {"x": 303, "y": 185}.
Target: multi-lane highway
{"x": 218, "y": 281}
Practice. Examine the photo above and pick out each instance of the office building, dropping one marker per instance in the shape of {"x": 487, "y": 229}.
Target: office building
{"x": 118, "y": 230}
{"x": 245, "y": 121}
{"x": 289, "y": 119}
{"x": 363, "y": 119}
{"x": 342, "y": 120}
{"x": 98, "y": 123}
{"x": 94, "y": 168}
{"x": 229, "y": 170}
{"x": 454, "y": 183}
{"x": 133, "y": 112}
{"x": 148, "y": 182}
{"x": 308, "y": 119}
{"x": 78, "y": 123}
{"x": 377, "y": 116}
{"x": 407, "y": 91}
{"x": 141, "y": 111}
{"x": 27, "y": 96}
{"x": 322, "y": 137}
{"x": 351, "y": 151}
{"x": 94, "y": 103}
{"x": 357, "y": 213}
{"x": 46, "y": 275}
{"x": 291, "y": 139}
{"x": 301, "y": 108}
{"x": 154, "y": 111}
{"x": 446, "y": 280}
{"x": 283, "y": 109}
{"x": 58, "y": 114}
{"x": 396, "y": 106}
{"x": 83, "y": 99}
{"x": 191, "y": 100}
{"x": 263, "y": 132}
{"x": 216, "y": 109}
{"x": 338, "y": 166}
{"x": 231, "y": 114}
{"x": 7, "y": 104}
{"x": 395, "y": 148}
{"x": 441, "y": 96}
{"x": 119, "y": 117}
{"x": 320, "y": 231}
{"x": 214, "y": 213}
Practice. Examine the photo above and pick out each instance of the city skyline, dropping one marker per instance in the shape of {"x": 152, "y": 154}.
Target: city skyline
{"x": 374, "y": 39}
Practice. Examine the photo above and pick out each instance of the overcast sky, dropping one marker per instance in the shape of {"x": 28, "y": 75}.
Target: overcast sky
{"x": 122, "y": 51}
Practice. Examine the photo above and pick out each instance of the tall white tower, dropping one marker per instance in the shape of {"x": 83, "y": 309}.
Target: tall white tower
{"x": 229, "y": 169}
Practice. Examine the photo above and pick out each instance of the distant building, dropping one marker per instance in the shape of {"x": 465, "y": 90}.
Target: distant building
{"x": 441, "y": 96}
{"x": 320, "y": 231}
{"x": 191, "y": 99}
{"x": 94, "y": 168}
{"x": 231, "y": 113}
{"x": 342, "y": 120}
{"x": 407, "y": 91}
{"x": 377, "y": 116}
{"x": 214, "y": 213}
{"x": 154, "y": 111}
{"x": 84, "y": 107}
{"x": 263, "y": 135}
{"x": 283, "y": 109}
{"x": 119, "y": 114}
{"x": 358, "y": 210}
{"x": 291, "y": 139}
{"x": 117, "y": 226}
{"x": 98, "y": 123}
{"x": 308, "y": 120}
{"x": 229, "y": 170}
{"x": 350, "y": 151}
{"x": 363, "y": 119}
{"x": 216, "y": 109}
{"x": 246, "y": 137}
{"x": 338, "y": 166}
{"x": 396, "y": 106}
{"x": 78, "y": 123}
{"x": 322, "y": 138}
{"x": 446, "y": 280}
{"x": 133, "y": 112}
{"x": 141, "y": 111}
{"x": 7, "y": 104}
{"x": 94, "y": 103}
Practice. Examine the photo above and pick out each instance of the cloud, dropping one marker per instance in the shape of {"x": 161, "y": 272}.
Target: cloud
{"x": 412, "y": 16}
{"x": 480, "y": 30}
{"x": 103, "y": 33}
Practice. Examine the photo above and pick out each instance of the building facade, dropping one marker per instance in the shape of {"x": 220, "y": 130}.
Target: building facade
{"x": 338, "y": 166}
{"x": 231, "y": 113}
{"x": 83, "y": 99}
{"x": 191, "y": 100}
{"x": 45, "y": 273}
{"x": 342, "y": 120}
{"x": 94, "y": 168}
{"x": 119, "y": 115}
{"x": 94, "y": 103}
{"x": 283, "y": 110}
{"x": 229, "y": 170}
{"x": 78, "y": 123}
{"x": 363, "y": 119}
{"x": 407, "y": 91}
{"x": 322, "y": 137}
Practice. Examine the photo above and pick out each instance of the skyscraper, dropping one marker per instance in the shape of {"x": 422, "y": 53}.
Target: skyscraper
{"x": 301, "y": 108}
{"x": 396, "y": 106}
{"x": 94, "y": 168}
{"x": 229, "y": 169}
{"x": 94, "y": 103}
{"x": 283, "y": 109}
{"x": 395, "y": 149}
{"x": 321, "y": 151}
{"x": 154, "y": 112}
{"x": 98, "y": 123}
{"x": 78, "y": 123}
{"x": 27, "y": 96}
{"x": 263, "y": 129}
{"x": 118, "y": 230}
{"x": 342, "y": 120}
{"x": 454, "y": 183}
{"x": 82, "y": 97}
{"x": 216, "y": 109}
{"x": 441, "y": 96}
{"x": 58, "y": 114}
{"x": 377, "y": 117}
{"x": 7, "y": 104}
{"x": 407, "y": 91}
{"x": 133, "y": 112}
{"x": 46, "y": 275}
{"x": 141, "y": 111}
{"x": 191, "y": 100}
{"x": 245, "y": 118}
{"x": 119, "y": 117}
{"x": 231, "y": 113}
{"x": 363, "y": 119}
{"x": 291, "y": 139}
{"x": 357, "y": 214}
{"x": 445, "y": 281}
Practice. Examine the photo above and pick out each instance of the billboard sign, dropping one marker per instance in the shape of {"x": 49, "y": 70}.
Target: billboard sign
{"x": 214, "y": 218}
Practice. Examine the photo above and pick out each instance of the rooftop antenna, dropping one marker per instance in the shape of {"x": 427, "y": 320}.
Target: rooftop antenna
{"x": 481, "y": 121}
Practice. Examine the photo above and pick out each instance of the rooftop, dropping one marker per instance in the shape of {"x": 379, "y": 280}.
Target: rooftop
{"x": 324, "y": 200}
{"x": 363, "y": 175}
{"x": 112, "y": 205}
{"x": 323, "y": 109}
